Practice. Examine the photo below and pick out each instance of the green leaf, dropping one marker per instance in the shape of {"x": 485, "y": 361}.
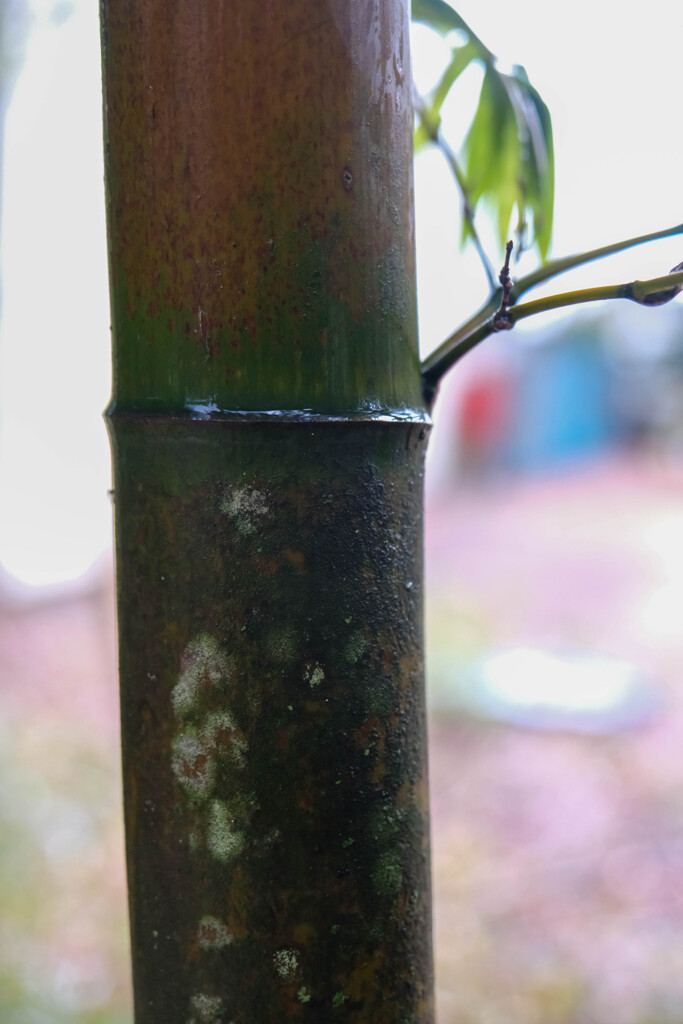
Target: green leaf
{"x": 443, "y": 19}
{"x": 545, "y": 191}
{"x": 509, "y": 155}
{"x": 535, "y": 173}
{"x": 509, "y": 147}
{"x": 461, "y": 58}
{"x": 438, "y": 15}
{"x": 491, "y": 143}
{"x": 429, "y": 107}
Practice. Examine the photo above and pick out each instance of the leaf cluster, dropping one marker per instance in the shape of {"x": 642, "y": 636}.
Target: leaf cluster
{"x": 508, "y": 150}
{"x": 509, "y": 164}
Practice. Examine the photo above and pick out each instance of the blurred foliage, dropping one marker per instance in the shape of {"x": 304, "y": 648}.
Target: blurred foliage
{"x": 15, "y": 19}
{"x": 508, "y": 151}
{"x": 63, "y": 932}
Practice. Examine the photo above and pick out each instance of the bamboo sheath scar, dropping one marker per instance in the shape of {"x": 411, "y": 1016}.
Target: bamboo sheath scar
{"x": 268, "y": 440}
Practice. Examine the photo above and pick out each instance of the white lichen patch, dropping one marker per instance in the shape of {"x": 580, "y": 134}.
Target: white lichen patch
{"x": 314, "y": 675}
{"x": 223, "y": 839}
{"x": 192, "y": 766}
{"x": 202, "y": 666}
{"x": 355, "y": 648}
{"x": 213, "y": 934}
{"x": 286, "y": 963}
{"x": 245, "y": 506}
{"x": 208, "y": 1009}
{"x": 220, "y": 734}
{"x": 194, "y": 752}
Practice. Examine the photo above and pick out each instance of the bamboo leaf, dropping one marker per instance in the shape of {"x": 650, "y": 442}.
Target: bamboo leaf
{"x": 509, "y": 155}
{"x": 429, "y": 122}
{"x": 461, "y": 58}
{"x": 443, "y": 19}
{"x": 492, "y": 151}
{"x": 543, "y": 213}
{"x": 508, "y": 151}
{"x": 438, "y": 15}
{"x": 535, "y": 177}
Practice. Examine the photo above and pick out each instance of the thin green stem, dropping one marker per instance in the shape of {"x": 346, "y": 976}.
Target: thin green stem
{"x": 466, "y": 331}
{"x": 467, "y": 208}
{"x": 565, "y": 263}
{"x": 435, "y": 135}
{"x": 545, "y": 273}
{"x": 654, "y": 292}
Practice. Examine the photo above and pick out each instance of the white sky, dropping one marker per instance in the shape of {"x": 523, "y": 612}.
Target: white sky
{"x": 609, "y": 73}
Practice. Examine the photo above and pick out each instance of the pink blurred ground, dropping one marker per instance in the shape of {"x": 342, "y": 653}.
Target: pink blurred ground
{"x": 558, "y": 860}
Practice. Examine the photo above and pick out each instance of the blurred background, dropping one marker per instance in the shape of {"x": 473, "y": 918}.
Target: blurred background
{"x": 553, "y": 548}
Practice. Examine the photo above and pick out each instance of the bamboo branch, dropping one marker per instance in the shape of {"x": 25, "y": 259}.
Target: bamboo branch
{"x": 467, "y": 208}
{"x": 545, "y": 273}
{"x": 435, "y": 135}
{"x": 654, "y": 292}
{"x": 565, "y": 263}
{"x": 464, "y": 333}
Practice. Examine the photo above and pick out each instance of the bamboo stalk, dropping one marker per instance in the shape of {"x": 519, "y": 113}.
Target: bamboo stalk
{"x": 268, "y": 435}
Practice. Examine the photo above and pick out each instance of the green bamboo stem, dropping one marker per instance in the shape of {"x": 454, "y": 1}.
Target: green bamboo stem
{"x": 654, "y": 292}
{"x": 222, "y": 179}
{"x": 268, "y": 433}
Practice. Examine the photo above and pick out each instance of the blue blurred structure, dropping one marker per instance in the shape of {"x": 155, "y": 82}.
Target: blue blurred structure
{"x": 562, "y": 410}
{"x": 596, "y": 384}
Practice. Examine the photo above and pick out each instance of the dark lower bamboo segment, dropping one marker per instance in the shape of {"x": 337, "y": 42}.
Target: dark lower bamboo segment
{"x": 270, "y": 606}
